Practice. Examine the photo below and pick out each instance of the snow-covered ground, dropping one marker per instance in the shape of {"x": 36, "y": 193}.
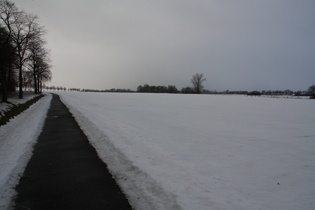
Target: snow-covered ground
{"x": 17, "y": 138}
{"x": 203, "y": 151}
{"x": 15, "y": 100}
{"x": 185, "y": 151}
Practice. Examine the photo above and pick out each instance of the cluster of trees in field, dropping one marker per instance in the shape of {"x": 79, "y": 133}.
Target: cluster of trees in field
{"x": 311, "y": 91}
{"x": 157, "y": 89}
{"x": 24, "y": 60}
{"x": 197, "y": 82}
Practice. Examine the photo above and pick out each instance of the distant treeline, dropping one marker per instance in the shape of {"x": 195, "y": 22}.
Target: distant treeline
{"x": 198, "y": 88}
{"x": 189, "y": 90}
{"x": 264, "y": 92}
{"x": 113, "y": 90}
{"x": 157, "y": 89}
{"x": 60, "y": 88}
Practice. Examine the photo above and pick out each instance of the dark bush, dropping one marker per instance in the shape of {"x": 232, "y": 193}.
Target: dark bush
{"x": 254, "y": 93}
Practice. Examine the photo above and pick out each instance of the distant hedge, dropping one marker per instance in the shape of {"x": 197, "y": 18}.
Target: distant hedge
{"x": 254, "y": 93}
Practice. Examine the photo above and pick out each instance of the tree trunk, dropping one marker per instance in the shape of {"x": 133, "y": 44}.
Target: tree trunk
{"x": 4, "y": 86}
{"x": 20, "y": 81}
{"x": 35, "y": 83}
{"x": 38, "y": 85}
{"x": 9, "y": 79}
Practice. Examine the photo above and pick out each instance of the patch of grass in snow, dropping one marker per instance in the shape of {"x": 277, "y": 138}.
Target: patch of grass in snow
{"x": 17, "y": 109}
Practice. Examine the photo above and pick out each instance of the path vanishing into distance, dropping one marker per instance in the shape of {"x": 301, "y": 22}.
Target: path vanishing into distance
{"x": 65, "y": 171}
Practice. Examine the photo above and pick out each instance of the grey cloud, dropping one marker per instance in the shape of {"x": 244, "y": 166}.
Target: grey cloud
{"x": 236, "y": 44}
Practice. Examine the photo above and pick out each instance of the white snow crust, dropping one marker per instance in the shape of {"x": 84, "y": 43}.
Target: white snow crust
{"x": 203, "y": 151}
{"x": 17, "y": 138}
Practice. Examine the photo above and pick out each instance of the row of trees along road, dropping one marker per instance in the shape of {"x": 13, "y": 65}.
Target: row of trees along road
{"x": 23, "y": 56}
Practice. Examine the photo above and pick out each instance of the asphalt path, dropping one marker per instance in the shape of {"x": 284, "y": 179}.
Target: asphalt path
{"x": 65, "y": 171}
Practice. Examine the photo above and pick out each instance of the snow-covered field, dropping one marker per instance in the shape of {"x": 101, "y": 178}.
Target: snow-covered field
{"x": 17, "y": 138}
{"x": 203, "y": 151}
{"x": 185, "y": 151}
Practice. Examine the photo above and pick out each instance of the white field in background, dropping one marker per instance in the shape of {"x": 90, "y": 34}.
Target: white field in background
{"x": 203, "y": 151}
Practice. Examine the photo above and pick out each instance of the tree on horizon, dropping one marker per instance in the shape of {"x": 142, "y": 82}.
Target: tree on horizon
{"x": 311, "y": 91}
{"x": 197, "y": 81}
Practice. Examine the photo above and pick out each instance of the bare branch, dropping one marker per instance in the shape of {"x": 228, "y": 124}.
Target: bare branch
{"x": 197, "y": 81}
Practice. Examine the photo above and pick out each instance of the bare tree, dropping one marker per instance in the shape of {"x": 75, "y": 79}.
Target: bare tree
{"x": 44, "y": 75}
{"x": 22, "y": 27}
{"x": 7, "y": 58}
{"x": 38, "y": 61}
{"x": 197, "y": 81}
{"x": 311, "y": 91}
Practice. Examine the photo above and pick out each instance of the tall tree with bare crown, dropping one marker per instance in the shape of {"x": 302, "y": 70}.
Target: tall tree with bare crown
{"x": 197, "y": 81}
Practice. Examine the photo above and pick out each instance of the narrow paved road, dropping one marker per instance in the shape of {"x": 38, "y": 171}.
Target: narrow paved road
{"x": 65, "y": 171}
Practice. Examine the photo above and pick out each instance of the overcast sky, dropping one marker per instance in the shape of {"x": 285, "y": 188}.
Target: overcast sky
{"x": 238, "y": 45}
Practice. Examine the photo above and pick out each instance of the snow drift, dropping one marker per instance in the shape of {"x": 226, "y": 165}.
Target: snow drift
{"x": 17, "y": 138}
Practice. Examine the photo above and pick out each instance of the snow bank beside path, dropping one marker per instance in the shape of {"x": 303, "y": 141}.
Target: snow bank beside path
{"x": 203, "y": 151}
{"x": 141, "y": 190}
{"x": 15, "y": 100}
{"x": 17, "y": 138}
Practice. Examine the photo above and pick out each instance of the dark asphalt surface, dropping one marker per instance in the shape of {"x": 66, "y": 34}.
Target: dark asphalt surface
{"x": 65, "y": 171}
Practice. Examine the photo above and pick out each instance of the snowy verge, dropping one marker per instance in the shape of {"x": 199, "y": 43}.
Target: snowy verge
{"x": 4, "y": 107}
{"x": 17, "y": 138}
{"x": 142, "y": 191}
